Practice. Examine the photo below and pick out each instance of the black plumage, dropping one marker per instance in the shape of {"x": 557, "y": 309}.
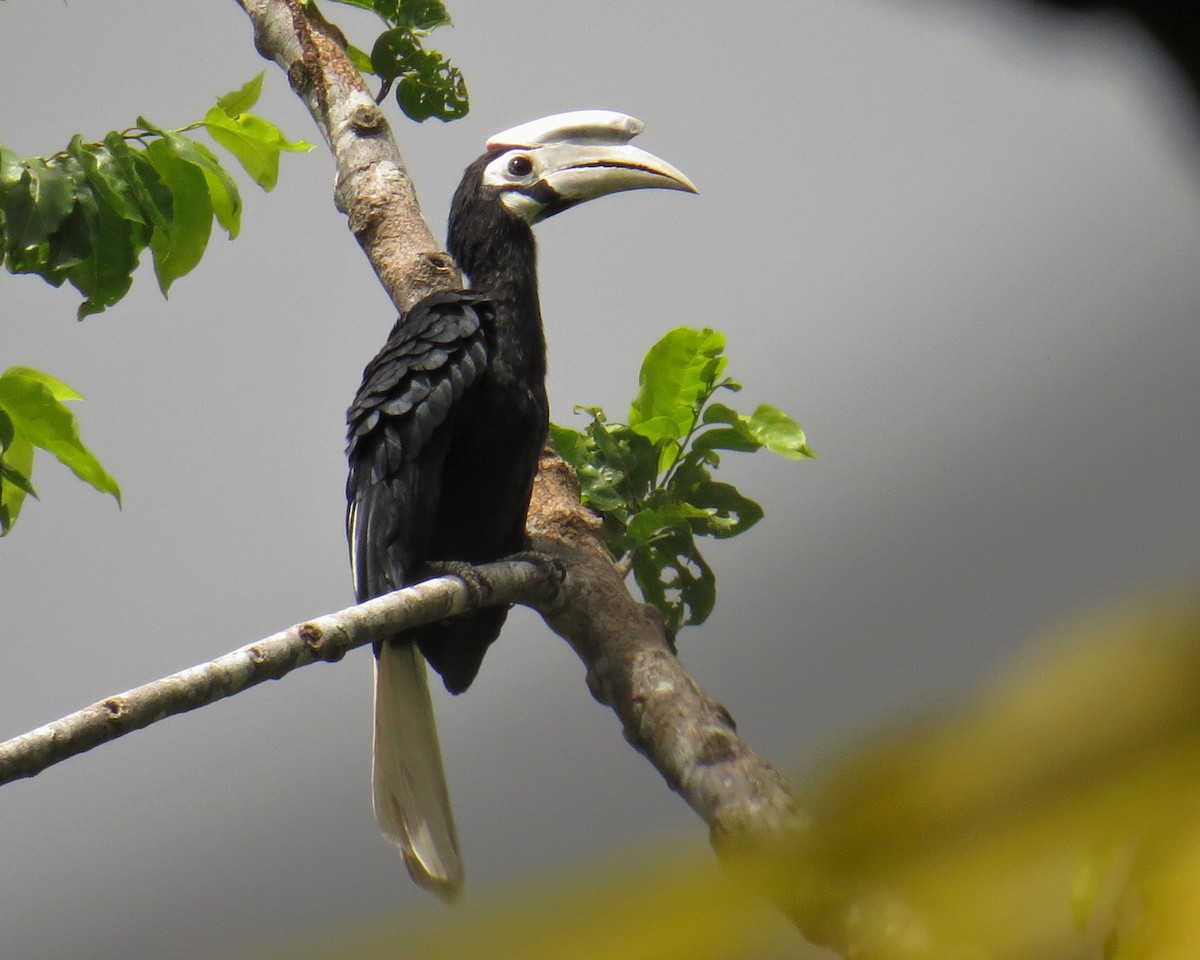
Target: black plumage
{"x": 446, "y": 429}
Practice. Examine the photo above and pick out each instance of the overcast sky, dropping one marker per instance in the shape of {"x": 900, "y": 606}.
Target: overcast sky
{"x": 957, "y": 241}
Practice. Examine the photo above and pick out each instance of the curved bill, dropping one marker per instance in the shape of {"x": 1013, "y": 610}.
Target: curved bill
{"x": 578, "y": 172}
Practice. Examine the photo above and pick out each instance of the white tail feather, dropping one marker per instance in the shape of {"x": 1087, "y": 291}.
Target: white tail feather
{"x": 412, "y": 802}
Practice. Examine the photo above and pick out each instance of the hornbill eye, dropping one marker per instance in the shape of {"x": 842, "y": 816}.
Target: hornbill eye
{"x": 520, "y": 166}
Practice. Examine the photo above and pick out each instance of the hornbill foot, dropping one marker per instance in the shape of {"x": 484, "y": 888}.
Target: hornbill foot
{"x": 553, "y": 569}
{"x": 478, "y": 589}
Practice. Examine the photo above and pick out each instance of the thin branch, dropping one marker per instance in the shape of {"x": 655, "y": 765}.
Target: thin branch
{"x": 326, "y": 638}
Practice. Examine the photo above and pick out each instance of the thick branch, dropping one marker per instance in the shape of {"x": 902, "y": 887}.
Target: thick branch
{"x": 325, "y": 638}
{"x": 632, "y": 667}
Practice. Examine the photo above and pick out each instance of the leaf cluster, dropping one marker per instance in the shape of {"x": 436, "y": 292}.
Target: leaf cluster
{"x": 429, "y": 85}
{"x": 86, "y": 214}
{"x": 33, "y": 414}
{"x": 651, "y": 479}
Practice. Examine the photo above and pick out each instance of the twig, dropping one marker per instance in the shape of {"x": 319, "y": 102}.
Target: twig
{"x": 325, "y": 638}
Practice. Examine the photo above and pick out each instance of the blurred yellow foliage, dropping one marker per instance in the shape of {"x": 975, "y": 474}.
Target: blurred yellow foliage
{"x": 1053, "y": 816}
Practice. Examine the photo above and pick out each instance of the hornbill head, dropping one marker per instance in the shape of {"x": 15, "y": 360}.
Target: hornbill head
{"x": 546, "y": 166}
{"x": 534, "y": 171}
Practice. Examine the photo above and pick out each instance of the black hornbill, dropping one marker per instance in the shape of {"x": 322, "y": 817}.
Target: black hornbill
{"x": 444, "y": 438}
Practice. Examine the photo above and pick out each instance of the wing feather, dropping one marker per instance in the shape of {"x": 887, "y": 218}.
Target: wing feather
{"x": 400, "y": 427}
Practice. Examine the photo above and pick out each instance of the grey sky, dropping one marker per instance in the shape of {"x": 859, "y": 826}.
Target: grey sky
{"x": 957, "y": 242}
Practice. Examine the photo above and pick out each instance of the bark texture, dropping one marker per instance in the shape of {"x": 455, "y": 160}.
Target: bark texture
{"x": 372, "y": 186}
{"x": 632, "y": 667}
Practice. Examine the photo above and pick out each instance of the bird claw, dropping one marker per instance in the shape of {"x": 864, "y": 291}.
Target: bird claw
{"x": 551, "y": 567}
{"x": 478, "y": 589}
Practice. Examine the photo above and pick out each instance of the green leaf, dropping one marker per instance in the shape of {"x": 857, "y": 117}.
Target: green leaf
{"x": 242, "y": 99}
{"x": 386, "y": 9}
{"x": 438, "y": 89}
{"x": 105, "y": 178}
{"x": 16, "y": 461}
{"x": 36, "y": 204}
{"x": 668, "y": 454}
{"x": 721, "y": 413}
{"x": 779, "y": 433}
{"x": 395, "y": 52}
{"x": 615, "y": 468}
{"x": 360, "y": 58}
{"x": 10, "y": 168}
{"x": 725, "y": 512}
{"x": 422, "y": 15}
{"x": 141, "y": 181}
{"x": 624, "y": 454}
{"x": 674, "y": 577}
{"x": 180, "y": 245}
{"x": 58, "y": 389}
{"x": 255, "y": 142}
{"x": 11, "y": 475}
{"x": 103, "y": 250}
{"x": 658, "y": 428}
{"x": 7, "y": 431}
{"x": 569, "y": 444}
{"x": 657, "y": 521}
{"x": 223, "y": 192}
{"x": 42, "y": 420}
{"x": 677, "y": 377}
{"x": 738, "y": 439}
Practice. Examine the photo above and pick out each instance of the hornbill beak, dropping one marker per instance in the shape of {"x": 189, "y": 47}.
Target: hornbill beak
{"x": 549, "y": 165}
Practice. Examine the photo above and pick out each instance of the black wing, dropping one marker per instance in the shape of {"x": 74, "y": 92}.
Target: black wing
{"x": 400, "y": 427}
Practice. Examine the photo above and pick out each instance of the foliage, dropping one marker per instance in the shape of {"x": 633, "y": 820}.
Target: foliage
{"x": 32, "y": 414}
{"x": 85, "y": 214}
{"x": 651, "y": 479}
{"x": 429, "y": 85}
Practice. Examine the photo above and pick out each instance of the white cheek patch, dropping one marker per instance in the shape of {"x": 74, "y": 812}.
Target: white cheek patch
{"x": 521, "y": 205}
{"x": 511, "y": 188}
{"x": 495, "y": 174}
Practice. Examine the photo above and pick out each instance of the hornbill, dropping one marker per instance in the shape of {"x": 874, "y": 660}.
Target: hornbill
{"x": 444, "y": 438}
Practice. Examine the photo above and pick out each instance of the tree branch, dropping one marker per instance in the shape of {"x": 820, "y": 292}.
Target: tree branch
{"x": 372, "y": 186}
{"x": 326, "y": 638}
{"x": 633, "y": 668}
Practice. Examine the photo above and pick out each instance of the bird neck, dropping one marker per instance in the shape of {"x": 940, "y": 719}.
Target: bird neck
{"x": 497, "y": 252}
